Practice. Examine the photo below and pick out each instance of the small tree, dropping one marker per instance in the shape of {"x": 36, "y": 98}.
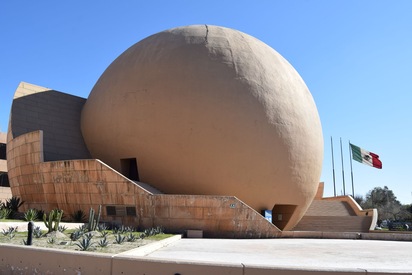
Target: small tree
{"x": 359, "y": 199}
{"x": 385, "y": 201}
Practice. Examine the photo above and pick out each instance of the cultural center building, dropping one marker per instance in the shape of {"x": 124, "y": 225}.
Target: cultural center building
{"x": 198, "y": 127}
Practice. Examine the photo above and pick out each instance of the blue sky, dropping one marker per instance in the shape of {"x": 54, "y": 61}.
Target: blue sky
{"x": 355, "y": 57}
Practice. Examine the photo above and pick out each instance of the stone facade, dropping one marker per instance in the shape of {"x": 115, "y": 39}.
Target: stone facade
{"x": 83, "y": 184}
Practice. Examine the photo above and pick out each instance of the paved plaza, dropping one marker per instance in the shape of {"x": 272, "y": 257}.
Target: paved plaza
{"x": 311, "y": 254}
{"x": 340, "y": 255}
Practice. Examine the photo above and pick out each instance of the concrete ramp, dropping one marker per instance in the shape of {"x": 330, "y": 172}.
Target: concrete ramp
{"x": 148, "y": 187}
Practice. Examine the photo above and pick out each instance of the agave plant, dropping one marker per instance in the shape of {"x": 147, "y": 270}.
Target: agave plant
{"x": 102, "y": 227}
{"x": 4, "y": 213}
{"x": 119, "y": 239}
{"x": 103, "y": 233}
{"x": 62, "y": 228}
{"x": 103, "y": 242}
{"x": 31, "y": 215}
{"x": 76, "y": 235}
{"x": 10, "y": 232}
{"x": 51, "y": 240}
{"x": 85, "y": 244}
{"x": 13, "y": 204}
{"x": 88, "y": 235}
{"x": 78, "y": 216}
{"x": 37, "y": 232}
{"x": 131, "y": 237}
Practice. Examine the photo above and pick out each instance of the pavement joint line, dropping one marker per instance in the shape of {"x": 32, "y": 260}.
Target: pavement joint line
{"x": 145, "y": 250}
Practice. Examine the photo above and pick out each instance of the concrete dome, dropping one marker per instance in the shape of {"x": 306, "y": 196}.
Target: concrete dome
{"x": 209, "y": 110}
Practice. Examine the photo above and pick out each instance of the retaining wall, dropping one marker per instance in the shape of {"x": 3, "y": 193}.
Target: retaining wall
{"x": 33, "y": 260}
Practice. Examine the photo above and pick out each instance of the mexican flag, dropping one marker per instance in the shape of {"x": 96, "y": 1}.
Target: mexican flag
{"x": 365, "y": 157}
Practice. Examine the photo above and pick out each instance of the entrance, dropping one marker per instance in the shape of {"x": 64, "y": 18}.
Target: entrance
{"x": 129, "y": 168}
{"x": 281, "y": 214}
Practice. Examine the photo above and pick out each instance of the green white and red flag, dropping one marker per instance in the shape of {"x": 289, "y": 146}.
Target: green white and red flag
{"x": 365, "y": 157}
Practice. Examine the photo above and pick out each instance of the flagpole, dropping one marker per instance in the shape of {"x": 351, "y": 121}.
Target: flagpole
{"x": 333, "y": 167}
{"x": 351, "y": 170}
{"x": 343, "y": 172}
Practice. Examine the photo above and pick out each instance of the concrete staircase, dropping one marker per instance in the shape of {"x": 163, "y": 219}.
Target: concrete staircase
{"x": 333, "y": 216}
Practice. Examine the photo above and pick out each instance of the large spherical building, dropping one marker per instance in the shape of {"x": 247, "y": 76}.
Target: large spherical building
{"x": 208, "y": 110}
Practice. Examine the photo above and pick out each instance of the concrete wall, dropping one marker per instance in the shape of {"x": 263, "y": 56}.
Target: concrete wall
{"x": 57, "y": 114}
{"x": 31, "y": 260}
{"x": 80, "y": 184}
{"x": 5, "y": 193}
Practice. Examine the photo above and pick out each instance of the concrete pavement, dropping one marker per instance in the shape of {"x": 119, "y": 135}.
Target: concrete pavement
{"x": 310, "y": 254}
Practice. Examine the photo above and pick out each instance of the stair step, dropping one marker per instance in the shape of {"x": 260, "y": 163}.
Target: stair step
{"x": 334, "y": 223}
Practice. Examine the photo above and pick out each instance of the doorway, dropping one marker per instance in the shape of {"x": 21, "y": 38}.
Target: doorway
{"x": 130, "y": 169}
{"x": 281, "y": 214}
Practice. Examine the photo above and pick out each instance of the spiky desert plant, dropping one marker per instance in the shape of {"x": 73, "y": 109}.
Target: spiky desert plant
{"x": 52, "y": 222}
{"x": 37, "y": 232}
{"x": 13, "y": 204}
{"x": 30, "y": 215}
{"x": 10, "y": 232}
{"x": 78, "y": 216}
{"x": 62, "y": 228}
{"x": 4, "y": 213}
{"x": 76, "y": 235}
{"x": 119, "y": 239}
{"x": 103, "y": 242}
{"x": 85, "y": 244}
{"x": 130, "y": 237}
{"x": 94, "y": 221}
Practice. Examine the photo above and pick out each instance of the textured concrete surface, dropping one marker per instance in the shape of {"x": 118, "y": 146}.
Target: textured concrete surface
{"x": 311, "y": 254}
{"x": 235, "y": 119}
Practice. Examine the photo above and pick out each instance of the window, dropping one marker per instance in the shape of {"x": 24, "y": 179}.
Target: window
{"x": 4, "y": 180}
{"x": 3, "y": 151}
{"x": 111, "y": 210}
{"x": 131, "y": 211}
{"x": 121, "y": 211}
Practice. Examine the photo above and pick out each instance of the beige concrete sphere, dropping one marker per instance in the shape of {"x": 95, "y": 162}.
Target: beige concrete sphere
{"x": 209, "y": 110}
